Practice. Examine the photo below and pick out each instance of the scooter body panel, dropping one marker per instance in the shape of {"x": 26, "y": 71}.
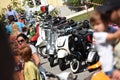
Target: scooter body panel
{"x": 62, "y": 53}
{"x": 41, "y": 37}
{"x": 62, "y": 43}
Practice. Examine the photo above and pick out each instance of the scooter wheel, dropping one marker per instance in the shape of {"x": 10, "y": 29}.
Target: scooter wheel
{"x": 42, "y": 51}
{"x": 62, "y": 65}
{"x": 51, "y": 59}
{"x": 74, "y": 65}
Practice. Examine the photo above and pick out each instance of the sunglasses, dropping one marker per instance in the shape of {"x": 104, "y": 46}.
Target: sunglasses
{"x": 20, "y": 41}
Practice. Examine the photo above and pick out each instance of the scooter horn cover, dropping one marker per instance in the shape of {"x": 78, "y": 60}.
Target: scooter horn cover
{"x": 93, "y": 56}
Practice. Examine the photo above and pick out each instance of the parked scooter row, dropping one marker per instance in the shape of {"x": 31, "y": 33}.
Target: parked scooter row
{"x": 67, "y": 41}
{"x": 46, "y": 41}
{"x": 76, "y": 47}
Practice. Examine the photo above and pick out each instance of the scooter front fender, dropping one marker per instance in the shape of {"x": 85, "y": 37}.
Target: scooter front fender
{"x": 62, "y": 53}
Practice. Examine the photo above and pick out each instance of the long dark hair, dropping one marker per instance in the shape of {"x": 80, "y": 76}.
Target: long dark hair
{"x": 6, "y": 57}
{"x": 11, "y": 18}
{"x": 24, "y": 36}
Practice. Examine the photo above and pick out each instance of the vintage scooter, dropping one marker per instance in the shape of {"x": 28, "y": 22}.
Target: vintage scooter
{"x": 41, "y": 42}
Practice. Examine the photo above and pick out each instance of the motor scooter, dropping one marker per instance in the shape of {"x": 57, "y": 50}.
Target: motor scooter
{"x": 41, "y": 42}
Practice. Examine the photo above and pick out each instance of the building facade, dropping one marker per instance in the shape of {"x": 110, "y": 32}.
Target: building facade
{"x": 4, "y": 3}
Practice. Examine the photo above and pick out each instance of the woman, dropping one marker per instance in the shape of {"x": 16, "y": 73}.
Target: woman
{"x": 31, "y": 71}
{"x": 22, "y": 40}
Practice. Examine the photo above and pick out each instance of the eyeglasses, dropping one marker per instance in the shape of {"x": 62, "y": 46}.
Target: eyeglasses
{"x": 20, "y": 41}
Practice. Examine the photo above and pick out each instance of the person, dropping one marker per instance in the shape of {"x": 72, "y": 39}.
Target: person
{"x": 12, "y": 21}
{"x": 15, "y": 28}
{"x": 18, "y": 70}
{"x": 11, "y": 12}
{"x": 112, "y": 9}
{"x": 6, "y": 58}
{"x": 102, "y": 43}
{"x": 22, "y": 40}
{"x": 31, "y": 71}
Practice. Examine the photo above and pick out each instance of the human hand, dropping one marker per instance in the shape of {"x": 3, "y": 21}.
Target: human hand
{"x": 116, "y": 75}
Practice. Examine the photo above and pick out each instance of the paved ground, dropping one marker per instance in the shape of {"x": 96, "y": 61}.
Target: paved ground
{"x": 56, "y": 69}
{"x": 65, "y": 11}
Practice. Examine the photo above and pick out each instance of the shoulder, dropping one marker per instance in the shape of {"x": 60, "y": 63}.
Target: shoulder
{"x": 19, "y": 23}
{"x": 97, "y": 34}
{"x": 31, "y": 46}
{"x": 14, "y": 10}
{"x": 29, "y": 63}
{"x": 7, "y": 12}
{"x": 9, "y": 26}
{"x": 100, "y": 37}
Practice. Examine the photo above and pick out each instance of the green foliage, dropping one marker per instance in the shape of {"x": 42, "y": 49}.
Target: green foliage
{"x": 81, "y": 17}
{"x": 20, "y": 10}
{"x": 2, "y": 17}
{"x": 29, "y": 3}
{"x": 76, "y": 2}
{"x": 15, "y": 4}
{"x": 73, "y": 2}
{"x": 32, "y": 31}
{"x": 2, "y": 14}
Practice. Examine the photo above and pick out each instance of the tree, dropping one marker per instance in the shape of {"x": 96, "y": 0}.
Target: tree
{"x": 29, "y": 3}
{"x": 15, "y": 4}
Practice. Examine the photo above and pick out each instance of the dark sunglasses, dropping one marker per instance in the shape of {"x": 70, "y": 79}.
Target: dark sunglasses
{"x": 20, "y": 41}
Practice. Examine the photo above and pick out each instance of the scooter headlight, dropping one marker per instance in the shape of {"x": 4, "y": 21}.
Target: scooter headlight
{"x": 72, "y": 49}
{"x": 75, "y": 39}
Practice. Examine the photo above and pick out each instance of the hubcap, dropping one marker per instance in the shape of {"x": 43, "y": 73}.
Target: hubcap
{"x": 44, "y": 51}
{"x": 74, "y": 63}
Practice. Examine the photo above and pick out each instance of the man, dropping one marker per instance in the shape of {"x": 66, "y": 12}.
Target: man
{"x": 112, "y": 9}
{"x": 11, "y": 12}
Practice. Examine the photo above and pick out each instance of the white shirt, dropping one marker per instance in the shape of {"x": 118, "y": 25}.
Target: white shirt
{"x": 34, "y": 50}
{"x": 105, "y": 50}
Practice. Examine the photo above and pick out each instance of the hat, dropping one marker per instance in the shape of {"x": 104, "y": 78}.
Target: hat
{"x": 109, "y": 5}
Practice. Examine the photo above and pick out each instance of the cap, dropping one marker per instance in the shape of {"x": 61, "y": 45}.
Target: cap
{"x": 109, "y": 5}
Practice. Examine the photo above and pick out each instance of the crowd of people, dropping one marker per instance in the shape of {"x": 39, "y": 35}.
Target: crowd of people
{"x": 26, "y": 59}
{"x": 22, "y": 57}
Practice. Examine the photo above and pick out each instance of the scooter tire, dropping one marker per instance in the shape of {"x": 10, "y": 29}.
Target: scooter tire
{"x": 51, "y": 60}
{"x": 40, "y": 51}
{"x": 75, "y": 67}
{"x": 62, "y": 64}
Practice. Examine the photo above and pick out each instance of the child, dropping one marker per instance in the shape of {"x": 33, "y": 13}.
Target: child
{"x": 103, "y": 40}
{"x": 31, "y": 72}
